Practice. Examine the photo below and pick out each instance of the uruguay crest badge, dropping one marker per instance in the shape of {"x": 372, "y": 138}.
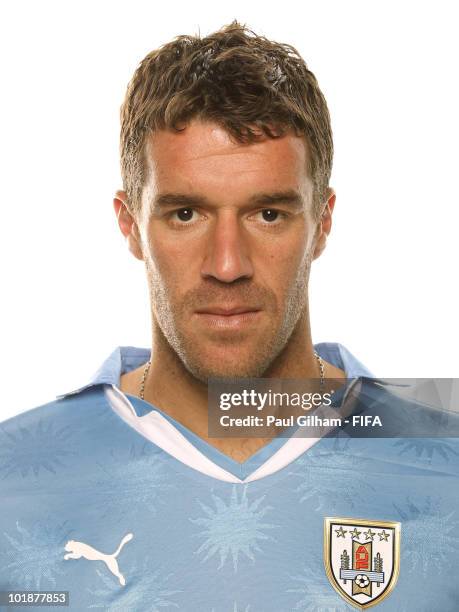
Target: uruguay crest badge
{"x": 362, "y": 558}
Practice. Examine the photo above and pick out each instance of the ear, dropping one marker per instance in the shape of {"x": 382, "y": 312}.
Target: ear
{"x": 127, "y": 224}
{"x": 324, "y": 224}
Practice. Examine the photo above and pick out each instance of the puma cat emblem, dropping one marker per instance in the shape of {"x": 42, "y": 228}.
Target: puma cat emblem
{"x": 76, "y": 550}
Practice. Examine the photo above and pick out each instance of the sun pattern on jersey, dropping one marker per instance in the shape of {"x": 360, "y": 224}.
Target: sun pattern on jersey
{"x": 36, "y": 554}
{"x": 126, "y": 474}
{"x": 27, "y": 450}
{"x": 315, "y": 591}
{"x": 333, "y": 477}
{"x": 422, "y": 523}
{"x": 427, "y": 449}
{"x": 233, "y": 528}
{"x": 145, "y": 589}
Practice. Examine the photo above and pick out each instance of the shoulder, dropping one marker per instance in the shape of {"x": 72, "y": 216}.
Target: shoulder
{"x": 413, "y": 423}
{"x": 409, "y": 404}
{"x": 67, "y": 407}
{"x": 41, "y": 440}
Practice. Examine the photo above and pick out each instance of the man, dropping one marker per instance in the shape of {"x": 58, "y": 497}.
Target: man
{"x": 116, "y": 492}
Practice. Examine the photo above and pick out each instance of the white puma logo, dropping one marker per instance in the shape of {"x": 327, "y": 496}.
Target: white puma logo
{"x": 76, "y": 550}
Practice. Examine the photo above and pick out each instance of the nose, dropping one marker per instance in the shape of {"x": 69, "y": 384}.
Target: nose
{"x": 227, "y": 256}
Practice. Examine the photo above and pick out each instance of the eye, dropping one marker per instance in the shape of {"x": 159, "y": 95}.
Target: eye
{"x": 269, "y": 215}
{"x": 184, "y": 214}
{"x": 185, "y": 217}
{"x": 182, "y": 217}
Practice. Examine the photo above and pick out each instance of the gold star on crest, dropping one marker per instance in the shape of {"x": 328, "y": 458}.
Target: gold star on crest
{"x": 369, "y": 534}
{"x": 341, "y": 533}
{"x": 354, "y": 533}
{"x": 383, "y": 536}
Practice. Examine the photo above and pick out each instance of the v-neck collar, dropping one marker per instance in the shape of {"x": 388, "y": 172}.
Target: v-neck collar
{"x": 188, "y": 448}
{"x": 240, "y": 470}
{"x": 179, "y": 441}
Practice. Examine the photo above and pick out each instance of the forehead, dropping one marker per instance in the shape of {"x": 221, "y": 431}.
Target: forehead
{"x": 203, "y": 158}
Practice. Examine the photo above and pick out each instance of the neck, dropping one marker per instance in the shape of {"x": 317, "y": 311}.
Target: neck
{"x": 172, "y": 388}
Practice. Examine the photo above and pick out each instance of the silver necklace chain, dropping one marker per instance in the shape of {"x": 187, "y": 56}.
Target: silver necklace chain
{"x": 148, "y": 364}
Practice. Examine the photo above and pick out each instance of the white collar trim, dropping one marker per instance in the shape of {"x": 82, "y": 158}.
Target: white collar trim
{"x": 156, "y": 428}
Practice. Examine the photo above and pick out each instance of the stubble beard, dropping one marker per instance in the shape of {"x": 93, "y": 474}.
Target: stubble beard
{"x": 166, "y": 323}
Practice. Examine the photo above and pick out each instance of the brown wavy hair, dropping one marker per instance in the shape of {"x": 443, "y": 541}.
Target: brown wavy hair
{"x": 251, "y": 86}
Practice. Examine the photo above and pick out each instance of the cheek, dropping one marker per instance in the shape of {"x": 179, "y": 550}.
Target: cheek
{"x": 280, "y": 263}
{"x": 169, "y": 260}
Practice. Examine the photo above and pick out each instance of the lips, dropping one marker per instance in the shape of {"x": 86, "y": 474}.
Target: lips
{"x": 227, "y": 312}
{"x": 230, "y": 319}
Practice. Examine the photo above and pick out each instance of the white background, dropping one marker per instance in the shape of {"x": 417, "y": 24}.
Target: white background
{"x": 386, "y": 285}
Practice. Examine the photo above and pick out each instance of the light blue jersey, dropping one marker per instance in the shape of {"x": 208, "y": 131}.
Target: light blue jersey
{"x": 105, "y": 496}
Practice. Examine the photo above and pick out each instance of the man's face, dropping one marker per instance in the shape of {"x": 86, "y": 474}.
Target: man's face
{"x": 227, "y": 235}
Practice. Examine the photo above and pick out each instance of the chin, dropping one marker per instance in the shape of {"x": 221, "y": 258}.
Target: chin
{"x": 203, "y": 370}
{"x": 232, "y": 358}
{"x": 204, "y": 374}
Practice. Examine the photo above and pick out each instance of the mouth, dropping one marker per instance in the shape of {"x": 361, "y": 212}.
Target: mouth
{"x": 221, "y": 317}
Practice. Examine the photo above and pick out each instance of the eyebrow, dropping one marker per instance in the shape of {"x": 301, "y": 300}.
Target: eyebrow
{"x": 290, "y": 196}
